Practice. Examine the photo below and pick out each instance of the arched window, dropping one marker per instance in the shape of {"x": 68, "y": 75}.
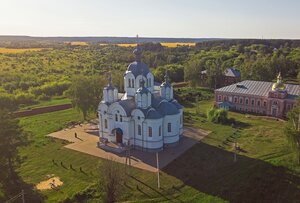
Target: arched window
{"x": 258, "y": 103}
{"x": 139, "y": 130}
{"x": 105, "y": 123}
{"x": 169, "y": 127}
{"x": 159, "y": 131}
{"x": 132, "y": 83}
{"x": 150, "y": 131}
{"x": 116, "y": 117}
{"x": 246, "y": 101}
{"x": 129, "y": 83}
{"x": 121, "y": 118}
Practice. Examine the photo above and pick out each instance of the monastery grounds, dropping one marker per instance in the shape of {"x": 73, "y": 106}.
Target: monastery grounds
{"x": 87, "y": 139}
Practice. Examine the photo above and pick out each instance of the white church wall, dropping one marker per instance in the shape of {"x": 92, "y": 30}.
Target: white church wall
{"x": 129, "y": 89}
{"x": 173, "y": 136}
{"x": 120, "y": 120}
{"x": 181, "y": 121}
{"x": 155, "y": 141}
{"x": 137, "y": 81}
{"x": 150, "y": 81}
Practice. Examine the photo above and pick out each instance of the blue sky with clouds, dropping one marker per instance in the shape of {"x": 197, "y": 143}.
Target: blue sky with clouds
{"x": 152, "y": 18}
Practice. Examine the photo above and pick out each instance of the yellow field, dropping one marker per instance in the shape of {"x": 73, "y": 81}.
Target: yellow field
{"x": 176, "y": 44}
{"x": 126, "y": 45}
{"x": 166, "y": 44}
{"x": 15, "y": 51}
{"x": 77, "y": 43}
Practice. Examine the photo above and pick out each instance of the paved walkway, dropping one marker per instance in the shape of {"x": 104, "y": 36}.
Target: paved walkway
{"x": 87, "y": 138}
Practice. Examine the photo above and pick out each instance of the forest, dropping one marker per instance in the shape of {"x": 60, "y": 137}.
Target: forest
{"x": 29, "y": 77}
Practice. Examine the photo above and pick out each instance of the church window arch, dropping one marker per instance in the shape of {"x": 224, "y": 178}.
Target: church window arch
{"x": 150, "y": 131}
{"x": 139, "y": 130}
{"x": 159, "y": 131}
{"x": 169, "y": 127}
{"x": 129, "y": 83}
{"x": 105, "y": 123}
{"x": 116, "y": 117}
{"x": 132, "y": 83}
{"x": 121, "y": 118}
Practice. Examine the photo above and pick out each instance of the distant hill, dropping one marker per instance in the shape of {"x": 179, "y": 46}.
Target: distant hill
{"x": 103, "y": 39}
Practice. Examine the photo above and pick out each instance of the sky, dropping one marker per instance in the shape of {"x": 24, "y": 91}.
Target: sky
{"x": 268, "y": 19}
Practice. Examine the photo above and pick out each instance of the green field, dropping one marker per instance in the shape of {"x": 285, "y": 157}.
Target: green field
{"x": 264, "y": 171}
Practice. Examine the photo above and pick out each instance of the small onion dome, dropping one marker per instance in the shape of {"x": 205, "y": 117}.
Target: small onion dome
{"x": 143, "y": 89}
{"x": 109, "y": 85}
{"x": 138, "y": 53}
{"x": 279, "y": 84}
{"x": 153, "y": 114}
{"x": 166, "y": 83}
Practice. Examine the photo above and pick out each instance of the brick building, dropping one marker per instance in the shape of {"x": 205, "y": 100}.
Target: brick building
{"x": 259, "y": 97}
{"x": 229, "y": 76}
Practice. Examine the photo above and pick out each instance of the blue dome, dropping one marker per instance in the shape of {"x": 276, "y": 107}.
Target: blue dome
{"x": 177, "y": 104}
{"x": 167, "y": 108}
{"x": 153, "y": 114}
{"x": 138, "y": 68}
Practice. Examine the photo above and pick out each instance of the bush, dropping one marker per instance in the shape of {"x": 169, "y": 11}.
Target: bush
{"x": 44, "y": 97}
{"x": 51, "y": 89}
{"x": 217, "y": 115}
{"x": 25, "y": 98}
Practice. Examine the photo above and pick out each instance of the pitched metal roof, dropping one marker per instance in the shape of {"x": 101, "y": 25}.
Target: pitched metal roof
{"x": 128, "y": 105}
{"x": 232, "y": 72}
{"x": 258, "y": 88}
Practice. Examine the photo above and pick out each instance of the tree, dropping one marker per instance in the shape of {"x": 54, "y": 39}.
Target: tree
{"x": 86, "y": 93}
{"x": 111, "y": 178}
{"x": 217, "y": 115}
{"x": 292, "y": 131}
{"x": 11, "y": 136}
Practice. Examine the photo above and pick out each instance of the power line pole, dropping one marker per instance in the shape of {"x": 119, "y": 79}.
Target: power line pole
{"x": 235, "y": 148}
{"x": 157, "y": 165}
{"x": 23, "y": 196}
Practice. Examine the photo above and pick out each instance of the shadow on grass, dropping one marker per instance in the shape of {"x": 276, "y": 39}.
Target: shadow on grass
{"x": 15, "y": 185}
{"x": 211, "y": 170}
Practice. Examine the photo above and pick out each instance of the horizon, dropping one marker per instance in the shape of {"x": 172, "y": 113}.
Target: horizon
{"x": 150, "y": 37}
{"x": 159, "y": 19}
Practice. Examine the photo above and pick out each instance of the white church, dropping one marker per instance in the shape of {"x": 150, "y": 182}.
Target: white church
{"x": 146, "y": 116}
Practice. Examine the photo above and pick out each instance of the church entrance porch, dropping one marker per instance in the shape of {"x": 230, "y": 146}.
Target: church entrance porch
{"x": 118, "y": 135}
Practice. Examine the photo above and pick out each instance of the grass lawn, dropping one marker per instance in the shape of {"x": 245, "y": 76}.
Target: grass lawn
{"x": 264, "y": 172}
{"x": 38, "y": 165}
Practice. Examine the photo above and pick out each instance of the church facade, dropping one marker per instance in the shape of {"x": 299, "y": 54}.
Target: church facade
{"x": 146, "y": 116}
